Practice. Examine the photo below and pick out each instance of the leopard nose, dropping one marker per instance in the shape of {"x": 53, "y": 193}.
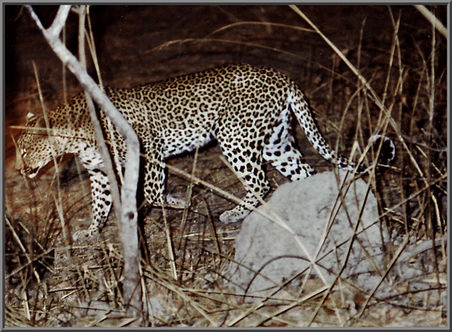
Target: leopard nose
{"x": 28, "y": 172}
{"x": 32, "y": 172}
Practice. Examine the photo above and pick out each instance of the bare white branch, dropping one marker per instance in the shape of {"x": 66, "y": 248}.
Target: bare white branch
{"x": 59, "y": 21}
{"x": 432, "y": 19}
{"x": 128, "y": 220}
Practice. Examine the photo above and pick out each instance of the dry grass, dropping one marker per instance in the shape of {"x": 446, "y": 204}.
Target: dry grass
{"x": 50, "y": 282}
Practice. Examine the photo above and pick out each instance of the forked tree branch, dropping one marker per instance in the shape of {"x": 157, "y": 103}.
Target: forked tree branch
{"x": 432, "y": 19}
{"x": 128, "y": 220}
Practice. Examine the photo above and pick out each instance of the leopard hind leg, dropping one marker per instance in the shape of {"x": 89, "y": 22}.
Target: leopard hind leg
{"x": 245, "y": 157}
{"x": 279, "y": 149}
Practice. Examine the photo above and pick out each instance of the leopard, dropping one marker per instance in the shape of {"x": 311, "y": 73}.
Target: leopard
{"x": 247, "y": 109}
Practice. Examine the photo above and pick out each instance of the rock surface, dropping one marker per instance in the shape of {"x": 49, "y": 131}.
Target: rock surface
{"x": 272, "y": 257}
{"x": 306, "y": 207}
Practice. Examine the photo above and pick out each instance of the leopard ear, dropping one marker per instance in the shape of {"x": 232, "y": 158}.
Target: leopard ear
{"x": 31, "y": 116}
{"x": 34, "y": 121}
{"x": 37, "y": 121}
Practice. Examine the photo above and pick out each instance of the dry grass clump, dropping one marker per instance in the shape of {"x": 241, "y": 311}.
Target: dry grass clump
{"x": 400, "y": 91}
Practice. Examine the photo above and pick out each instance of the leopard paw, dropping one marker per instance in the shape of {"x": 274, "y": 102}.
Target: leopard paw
{"x": 234, "y": 215}
{"x": 82, "y": 235}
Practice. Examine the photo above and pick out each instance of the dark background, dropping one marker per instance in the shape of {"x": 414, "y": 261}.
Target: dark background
{"x": 127, "y": 40}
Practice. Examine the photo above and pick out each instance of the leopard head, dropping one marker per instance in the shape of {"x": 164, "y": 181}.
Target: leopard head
{"x": 35, "y": 146}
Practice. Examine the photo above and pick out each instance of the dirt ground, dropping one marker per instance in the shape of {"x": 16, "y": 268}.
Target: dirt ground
{"x": 139, "y": 44}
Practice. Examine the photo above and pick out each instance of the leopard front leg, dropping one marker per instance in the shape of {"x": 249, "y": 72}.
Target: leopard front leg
{"x": 154, "y": 178}
{"x": 101, "y": 204}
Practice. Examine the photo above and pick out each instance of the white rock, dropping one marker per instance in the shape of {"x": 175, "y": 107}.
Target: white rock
{"x": 306, "y": 207}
